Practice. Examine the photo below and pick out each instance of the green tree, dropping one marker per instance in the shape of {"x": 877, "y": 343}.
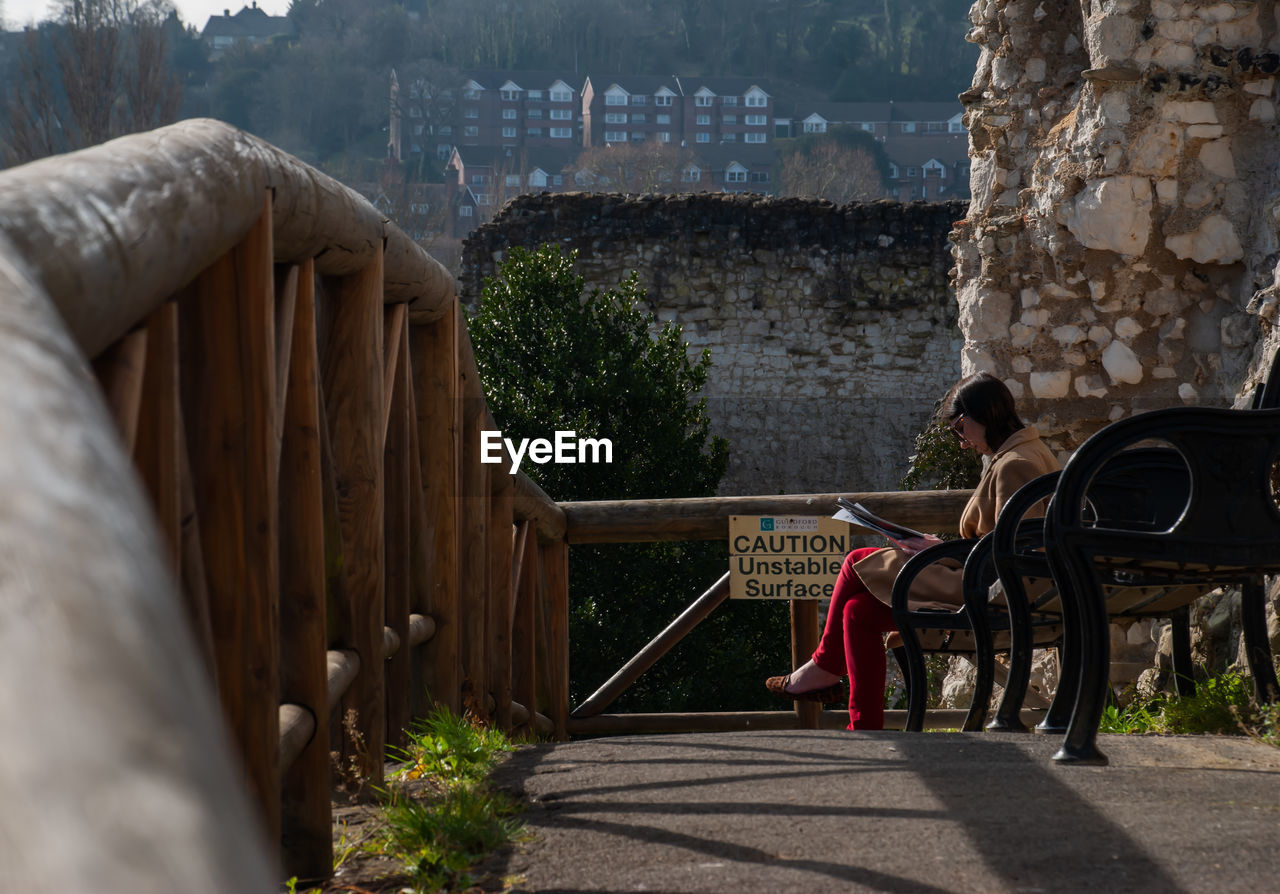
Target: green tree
{"x": 552, "y": 358}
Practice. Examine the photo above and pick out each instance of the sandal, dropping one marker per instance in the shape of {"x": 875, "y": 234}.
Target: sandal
{"x": 825, "y": 695}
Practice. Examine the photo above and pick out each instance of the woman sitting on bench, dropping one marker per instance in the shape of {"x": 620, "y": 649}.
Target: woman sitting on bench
{"x": 982, "y": 414}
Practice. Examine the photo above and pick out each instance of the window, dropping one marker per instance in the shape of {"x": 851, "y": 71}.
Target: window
{"x": 563, "y": 115}
{"x": 956, "y": 127}
{"x": 535, "y": 131}
{"x": 561, "y": 133}
{"x": 756, "y": 120}
{"x": 730, "y": 119}
{"x": 639, "y": 100}
{"x": 509, "y": 114}
{"x": 934, "y": 167}
{"x": 563, "y": 96}
{"x": 479, "y": 179}
{"x": 815, "y": 127}
{"x": 510, "y": 95}
{"x": 508, "y": 133}
{"x": 893, "y": 171}
{"x": 557, "y": 180}
{"x": 704, "y": 101}
{"x": 935, "y": 127}
{"x": 730, "y": 100}
{"x": 537, "y": 178}
{"x": 908, "y": 127}
{"x": 664, "y": 137}
{"x": 471, "y": 93}
{"x": 464, "y": 210}
{"x": 637, "y": 136}
{"x": 912, "y": 171}
{"x": 615, "y": 117}
{"x": 637, "y": 118}
{"x": 729, "y": 137}
{"x": 753, "y": 138}
{"x": 662, "y": 119}
{"x": 868, "y": 125}
{"x": 758, "y": 100}
{"x": 759, "y": 176}
{"x": 446, "y": 130}
{"x": 471, "y": 112}
{"x": 471, "y": 131}
{"x": 615, "y": 99}
{"x": 662, "y": 99}
{"x": 704, "y": 138}
{"x": 514, "y": 180}
{"x": 534, "y": 94}
{"x": 962, "y": 170}
{"x": 704, "y": 120}
{"x": 735, "y": 175}
{"x": 615, "y": 136}
{"x": 533, "y": 113}
{"x": 690, "y": 175}
{"x": 483, "y": 198}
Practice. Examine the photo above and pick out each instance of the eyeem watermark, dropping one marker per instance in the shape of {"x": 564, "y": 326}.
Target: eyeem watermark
{"x": 567, "y": 448}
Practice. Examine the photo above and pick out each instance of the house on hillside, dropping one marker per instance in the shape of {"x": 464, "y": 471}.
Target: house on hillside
{"x": 932, "y": 168}
{"x": 251, "y": 26}
{"x": 692, "y": 111}
{"x": 730, "y": 168}
{"x": 883, "y": 120}
{"x": 482, "y": 178}
{"x": 519, "y": 109}
{"x": 630, "y": 108}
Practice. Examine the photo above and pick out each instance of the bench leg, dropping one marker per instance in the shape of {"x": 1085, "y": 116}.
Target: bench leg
{"x": 984, "y": 659}
{"x": 1184, "y": 672}
{"x": 910, "y": 658}
{"x": 1064, "y": 698}
{"x": 1008, "y": 717}
{"x": 1084, "y": 607}
{"x": 1257, "y": 650}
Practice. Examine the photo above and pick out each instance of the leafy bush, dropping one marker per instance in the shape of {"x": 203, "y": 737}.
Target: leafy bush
{"x": 553, "y": 356}
{"x": 1221, "y": 705}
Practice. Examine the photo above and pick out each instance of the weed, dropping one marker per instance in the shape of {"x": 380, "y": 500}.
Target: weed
{"x": 453, "y": 819}
{"x": 1221, "y": 705}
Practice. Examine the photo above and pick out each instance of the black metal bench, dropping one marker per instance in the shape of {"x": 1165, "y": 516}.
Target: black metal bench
{"x": 1226, "y": 531}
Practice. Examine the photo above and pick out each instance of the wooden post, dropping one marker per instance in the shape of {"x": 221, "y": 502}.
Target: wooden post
{"x": 438, "y": 405}
{"x": 307, "y": 834}
{"x": 157, "y": 453}
{"x": 804, "y": 640}
{"x": 524, "y": 669}
{"x": 555, "y": 558}
{"x": 475, "y": 566}
{"x": 498, "y": 625}
{"x": 229, "y": 381}
{"x": 398, "y": 483}
{"x": 120, "y": 370}
{"x": 351, "y": 307}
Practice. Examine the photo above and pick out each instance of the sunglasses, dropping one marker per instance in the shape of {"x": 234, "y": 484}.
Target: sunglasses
{"x": 957, "y": 426}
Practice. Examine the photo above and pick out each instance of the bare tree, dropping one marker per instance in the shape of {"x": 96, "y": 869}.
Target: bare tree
{"x": 650, "y": 167}
{"x": 828, "y": 170}
{"x": 98, "y": 72}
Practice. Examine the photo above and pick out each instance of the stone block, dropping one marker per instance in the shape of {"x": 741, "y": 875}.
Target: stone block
{"x": 1122, "y": 364}
{"x": 1214, "y": 241}
{"x": 1113, "y": 214}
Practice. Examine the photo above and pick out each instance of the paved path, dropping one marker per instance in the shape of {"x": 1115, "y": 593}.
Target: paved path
{"x": 818, "y": 811}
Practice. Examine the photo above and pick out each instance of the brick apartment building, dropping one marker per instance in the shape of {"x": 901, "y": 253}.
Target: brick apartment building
{"x": 694, "y": 112}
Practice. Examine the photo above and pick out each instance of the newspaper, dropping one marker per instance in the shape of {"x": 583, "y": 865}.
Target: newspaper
{"x": 857, "y": 514}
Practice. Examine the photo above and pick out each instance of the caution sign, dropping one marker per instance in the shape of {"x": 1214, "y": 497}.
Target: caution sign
{"x": 785, "y": 557}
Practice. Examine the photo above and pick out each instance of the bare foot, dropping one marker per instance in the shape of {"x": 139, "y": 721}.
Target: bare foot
{"x": 809, "y": 676}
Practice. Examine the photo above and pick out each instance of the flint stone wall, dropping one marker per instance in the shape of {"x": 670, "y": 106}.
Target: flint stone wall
{"x": 1124, "y": 213}
{"x": 832, "y": 330}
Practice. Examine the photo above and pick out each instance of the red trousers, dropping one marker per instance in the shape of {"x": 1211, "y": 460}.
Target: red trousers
{"x": 853, "y": 643}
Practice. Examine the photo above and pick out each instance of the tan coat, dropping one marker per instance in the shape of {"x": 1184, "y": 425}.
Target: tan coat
{"x": 1022, "y": 457}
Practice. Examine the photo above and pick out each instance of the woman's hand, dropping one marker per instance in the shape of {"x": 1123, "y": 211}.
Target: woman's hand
{"x": 913, "y": 545}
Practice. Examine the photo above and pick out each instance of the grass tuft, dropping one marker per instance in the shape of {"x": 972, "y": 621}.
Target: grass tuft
{"x": 453, "y": 819}
{"x": 1221, "y": 705}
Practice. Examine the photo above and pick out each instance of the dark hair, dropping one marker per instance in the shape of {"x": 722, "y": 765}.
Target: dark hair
{"x": 986, "y": 400}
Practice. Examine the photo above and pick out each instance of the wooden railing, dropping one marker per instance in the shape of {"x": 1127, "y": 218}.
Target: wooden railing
{"x": 244, "y": 524}
{"x": 707, "y": 518}
{"x": 290, "y": 378}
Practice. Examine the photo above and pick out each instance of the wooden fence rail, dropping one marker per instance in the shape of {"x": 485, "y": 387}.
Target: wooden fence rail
{"x": 291, "y": 380}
